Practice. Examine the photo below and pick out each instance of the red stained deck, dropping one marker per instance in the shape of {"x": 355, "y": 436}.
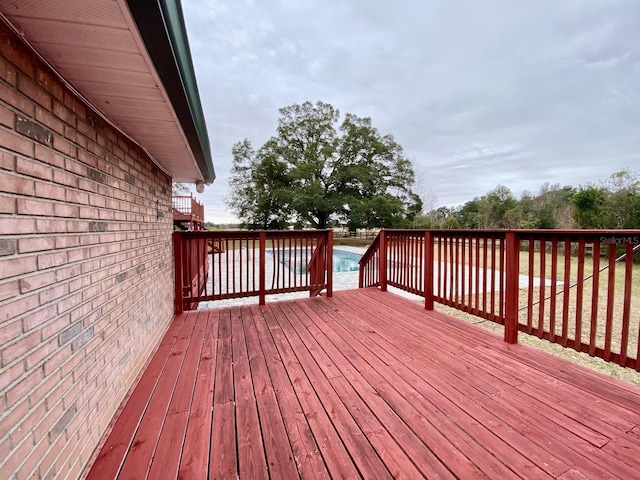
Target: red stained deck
{"x": 364, "y": 384}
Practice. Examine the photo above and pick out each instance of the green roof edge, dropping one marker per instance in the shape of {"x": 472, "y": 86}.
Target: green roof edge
{"x": 161, "y": 25}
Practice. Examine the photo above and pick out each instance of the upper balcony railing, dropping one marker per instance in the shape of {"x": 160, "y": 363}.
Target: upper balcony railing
{"x": 188, "y": 211}
{"x": 580, "y": 289}
{"x": 216, "y": 265}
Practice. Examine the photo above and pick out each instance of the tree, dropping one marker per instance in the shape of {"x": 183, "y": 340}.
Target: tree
{"x": 179, "y": 188}
{"x": 590, "y": 207}
{"x": 314, "y": 173}
{"x": 623, "y": 200}
{"x": 468, "y": 214}
{"x": 493, "y": 208}
{"x": 551, "y": 208}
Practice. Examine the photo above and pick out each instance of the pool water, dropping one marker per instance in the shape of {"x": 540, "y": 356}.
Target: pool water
{"x": 345, "y": 261}
{"x": 342, "y": 261}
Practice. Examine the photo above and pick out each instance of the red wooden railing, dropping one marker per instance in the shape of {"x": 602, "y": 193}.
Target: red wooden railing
{"x": 241, "y": 264}
{"x": 188, "y": 211}
{"x": 580, "y": 289}
{"x": 188, "y": 205}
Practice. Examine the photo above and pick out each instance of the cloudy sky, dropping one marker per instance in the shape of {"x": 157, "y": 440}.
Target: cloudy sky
{"x": 479, "y": 93}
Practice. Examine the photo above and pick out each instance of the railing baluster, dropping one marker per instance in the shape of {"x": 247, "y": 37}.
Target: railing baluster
{"x": 485, "y": 270}
{"x": 531, "y": 249}
{"x": 565, "y": 293}
{"x": 476, "y": 240}
{"x": 543, "y": 283}
{"x": 428, "y": 270}
{"x": 233, "y": 267}
{"x": 503, "y": 273}
{"x": 456, "y": 263}
{"x": 329, "y": 267}
{"x": 262, "y": 279}
{"x": 493, "y": 276}
{"x": 610, "y": 302}
{"x": 554, "y": 288}
{"x": 451, "y": 264}
{"x": 595, "y": 293}
{"x": 579, "y": 293}
{"x": 512, "y": 272}
{"x": 626, "y": 308}
{"x": 383, "y": 261}
{"x": 463, "y": 279}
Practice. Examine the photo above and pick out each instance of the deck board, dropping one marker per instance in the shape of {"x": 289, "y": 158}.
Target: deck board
{"x": 364, "y": 385}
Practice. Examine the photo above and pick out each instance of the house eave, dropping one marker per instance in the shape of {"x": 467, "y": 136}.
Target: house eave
{"x": 129, "y": 61}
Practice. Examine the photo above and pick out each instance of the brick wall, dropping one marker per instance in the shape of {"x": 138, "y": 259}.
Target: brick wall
{"x": 85, "y": 269}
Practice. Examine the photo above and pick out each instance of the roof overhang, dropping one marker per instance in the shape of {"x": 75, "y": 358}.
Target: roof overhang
{"x": 130, "y": 61}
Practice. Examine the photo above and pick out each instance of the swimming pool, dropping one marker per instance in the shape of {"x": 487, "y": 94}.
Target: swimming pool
{"x": 343, "y": 261}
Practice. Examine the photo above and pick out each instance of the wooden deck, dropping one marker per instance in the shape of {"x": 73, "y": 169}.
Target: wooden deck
{"x": 364, "y": 385}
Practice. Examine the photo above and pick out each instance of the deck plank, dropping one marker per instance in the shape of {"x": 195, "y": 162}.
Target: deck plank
{"x": 364, "y": 385}
{"x": 166, "y": 458}
{"x": 336, "y": 456}
{"x": 115, "y": 450}
{"x": 448, "y": 442}
{"x": 223, "y": 461}
{"x": 483, "y": 415}
{"x": 303, "y": 443}
{"x": 279, "y": 455}
{"x": 251, "y": 461}
{"x": 194, "y": 461}
{"x": 595, "y": 456}
{"x": 145, "y": 442}
{"x": 382, "y": 425}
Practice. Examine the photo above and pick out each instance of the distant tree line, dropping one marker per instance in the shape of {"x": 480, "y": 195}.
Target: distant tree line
{"x": 610, "y": 204}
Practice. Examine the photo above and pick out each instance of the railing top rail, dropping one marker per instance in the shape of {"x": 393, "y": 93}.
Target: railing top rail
{"x": 369, "y": 251}
{"x": 525, "y": 231}
{"x": 256, "y": 233}
{"x": 630, "y": 235}
{"x": 590, "y": 232}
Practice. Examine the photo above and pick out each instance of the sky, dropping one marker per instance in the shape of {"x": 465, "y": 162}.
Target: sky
{"x": 478, "y": 93}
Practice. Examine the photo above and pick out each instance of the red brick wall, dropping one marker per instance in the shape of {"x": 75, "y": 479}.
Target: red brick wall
{"x": 85, "y": 269}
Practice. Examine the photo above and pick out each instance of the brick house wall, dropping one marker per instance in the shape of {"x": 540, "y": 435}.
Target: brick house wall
{"x": 86, "y": 269}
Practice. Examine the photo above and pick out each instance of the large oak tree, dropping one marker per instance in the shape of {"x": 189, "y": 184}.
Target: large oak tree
{"x": 316, "y": 173}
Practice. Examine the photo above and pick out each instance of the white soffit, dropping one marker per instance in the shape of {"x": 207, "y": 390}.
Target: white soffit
{"x": 96, "y": 47}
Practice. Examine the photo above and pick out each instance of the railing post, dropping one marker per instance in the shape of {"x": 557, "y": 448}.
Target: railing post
{"x": 329, "y": 263}
{"x": 382, "y": 267}
{"x": 177, "y": 273}
{"x": 428, "y": 270}
{"x": 261, "y": 276}
{"x": 512, "y": 287}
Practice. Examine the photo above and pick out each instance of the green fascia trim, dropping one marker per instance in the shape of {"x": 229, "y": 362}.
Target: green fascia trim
{"x": 161, "y": 24}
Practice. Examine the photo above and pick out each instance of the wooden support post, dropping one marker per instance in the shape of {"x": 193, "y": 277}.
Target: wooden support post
{"x": 512, "y": 288}
{"x": 329, "y": 263}
{"x": 177, "y": 273}
{"x": 428, "y": 270}
{"x": 382, "y": 267}
{"x": 263, "y": 251}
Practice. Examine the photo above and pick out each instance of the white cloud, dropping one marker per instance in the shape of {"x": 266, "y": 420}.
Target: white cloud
{"x": 478, "y": 93}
